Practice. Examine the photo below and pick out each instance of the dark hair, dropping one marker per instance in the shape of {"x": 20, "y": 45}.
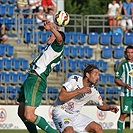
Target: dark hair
{"x": 63, "y": 35}
{"x": 129, "y": 47}
{"x": 89, "y": 68}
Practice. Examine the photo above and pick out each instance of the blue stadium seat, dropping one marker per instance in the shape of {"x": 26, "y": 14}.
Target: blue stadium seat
{"x": 101, "y": 91}
{"x": 102, "y": 79}
{"x": 79, "y": 65}
{"x": 88, "y": 52}
{"x": 15, "y": 64}
{"x": 105, "y": 38}
{"x": 42, "y": 37}
{"x": 34, "y": 38}
{"x": 10, "y": 9}
{"x": 23, "y": 64}
{"x": 73, "y": 51}
{"x": 12, "y": 1}
{"x": 2, "y": 92}
{"x": 80, "y": 51}
{"x": 66, "y": 51}
{"x": 128, "y": 38}
{"x": 85, "y": 62}
{"x": 57, "y": 68}
{"x": 71, "y": 65}
{"x": 116, "y": 38}
{"x": 64, "y": 65}
{"x": 109, "y": 92}
{"x": 40, "y": 48}
{"x": 116, "y": 64}
{"x": 8, "y": 23}
{"x": 106, "y": 52}
{"x": 103, "y": 65}
{"x": 27, "y": 36}
{"x": 118, "y": 52}
{"x": 116, "y": 93}
{"x": 22, "y": 76}
{"x": 53, "y": 93}
{"x": 2, "y": 20}
{"x": 4, "y": 1}
{"x": 11, "y": 92}
{"x": 110, "y": 79}
{"x": 1, "y": 64}
{"x": 5, "y": 77}
{"x": 74, "y": 38}
{"x": 93, "y": 38}
{"x": 68, "y": 37}
{"x": 9, "y": 50}
{"x": 2, "y": 50}
{"x": 14, "y": 77}
{"x": 7, "y": 64}
{"x": 2, "y": 10}
{"x": 82, "y": 38}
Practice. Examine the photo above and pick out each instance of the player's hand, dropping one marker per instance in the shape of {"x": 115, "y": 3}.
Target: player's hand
{"x": 114, "y": 109}
{"x": 85, "y": 90}
{"x": 128, "y": 87}
{"x": 48, "y": 25}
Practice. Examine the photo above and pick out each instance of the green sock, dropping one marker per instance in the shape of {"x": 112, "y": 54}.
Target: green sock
{"x": 119, "y": 126}
{"x": 31, "y": 127}
{"x": 41, "y": 122}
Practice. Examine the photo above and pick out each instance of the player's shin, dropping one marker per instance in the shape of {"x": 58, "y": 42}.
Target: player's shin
{"x": 120, "y": 126}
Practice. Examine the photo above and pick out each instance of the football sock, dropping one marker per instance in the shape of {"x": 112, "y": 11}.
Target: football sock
{"x": 31, "y": 127}
{"x": 41, "y": 122}
{"x": 119, "y": 126}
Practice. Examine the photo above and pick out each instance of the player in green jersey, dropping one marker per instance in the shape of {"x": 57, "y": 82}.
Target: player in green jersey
{"x": 124, "y": 78}
{"x": 34, "y": 86}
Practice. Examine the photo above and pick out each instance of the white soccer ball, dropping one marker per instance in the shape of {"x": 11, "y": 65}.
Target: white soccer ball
{"x": 61, "y": 18}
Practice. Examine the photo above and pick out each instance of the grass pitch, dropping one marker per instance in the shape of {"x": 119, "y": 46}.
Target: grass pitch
{"x": 24, "y": 131}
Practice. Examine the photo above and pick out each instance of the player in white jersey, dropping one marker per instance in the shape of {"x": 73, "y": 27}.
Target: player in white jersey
{"x": 124, "y": 78}
{"x": 34, "y": 86}
{"x": 75, "y": 93}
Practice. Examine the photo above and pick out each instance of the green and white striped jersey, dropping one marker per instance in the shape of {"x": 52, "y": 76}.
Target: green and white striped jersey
{"x": 47, "y": 60}
{"x": 125, "y": 73}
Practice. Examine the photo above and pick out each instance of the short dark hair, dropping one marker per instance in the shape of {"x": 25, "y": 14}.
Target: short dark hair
{"x": 63, "y": 35}
{"x": 129, "y": 47}
{"x": 90, "y": 68}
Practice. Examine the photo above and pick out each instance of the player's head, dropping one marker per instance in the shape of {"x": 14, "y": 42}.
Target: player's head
{"x": 91, "y": 73}
{"x": 129, "y": 52}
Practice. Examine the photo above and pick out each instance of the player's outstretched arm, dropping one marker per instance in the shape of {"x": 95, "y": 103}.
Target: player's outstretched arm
{"x": 106, "y": 107}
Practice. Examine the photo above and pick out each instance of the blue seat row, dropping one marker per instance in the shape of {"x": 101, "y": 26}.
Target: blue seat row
{"x": 8, "y": 1}
{"x": 6, "y": 50}
{"x": 14, "y": 64}
{"x": 12, "y": 77}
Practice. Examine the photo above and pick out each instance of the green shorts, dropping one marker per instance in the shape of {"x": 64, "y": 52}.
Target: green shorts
{"x": 32, "y": 90}
{"x": 126, "y": 104}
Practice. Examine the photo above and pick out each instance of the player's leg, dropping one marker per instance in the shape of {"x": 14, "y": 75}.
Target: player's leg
{"x": 33, "y": 91}
{"x": 30, "y": 126}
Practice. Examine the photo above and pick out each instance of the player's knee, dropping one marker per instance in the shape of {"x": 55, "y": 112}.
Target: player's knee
{"x": 98, "y": 129}
{"x": 29, "y": 116}
{"x": 68, "y": 129}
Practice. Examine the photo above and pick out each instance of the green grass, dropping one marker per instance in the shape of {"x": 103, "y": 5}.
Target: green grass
{"x": 24, "y": 131}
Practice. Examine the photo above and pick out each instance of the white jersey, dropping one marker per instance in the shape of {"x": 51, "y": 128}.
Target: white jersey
{"x": 74, "y": 105}
{"x": 113, "y": 9}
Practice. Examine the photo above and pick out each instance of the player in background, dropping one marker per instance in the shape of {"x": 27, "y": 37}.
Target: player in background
{"x": 75, "y": 93}
{"x": 34, "y": 86}
{"x": 124, "y": 78}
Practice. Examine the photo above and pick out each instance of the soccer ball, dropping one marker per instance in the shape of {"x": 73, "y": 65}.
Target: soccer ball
{"x": 61, "y": 18}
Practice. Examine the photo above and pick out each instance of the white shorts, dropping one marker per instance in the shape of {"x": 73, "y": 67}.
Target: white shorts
{"x": 62, "y": 119}
{"x": 126, "y": 23}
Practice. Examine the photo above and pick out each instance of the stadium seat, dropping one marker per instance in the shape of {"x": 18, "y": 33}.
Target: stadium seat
{"x": 73, "y": 51}
{"x": 101, "y": 91}
{"x": 15, "y": 64}
{"x": 53, "y": 93}
{"x": 9, "y": 50}
{"x": 27, "y": 36}
{"x": 79, "y": 65}
{"x": 64, "y": 65}
{"x": 109, "y": 92}
{"x": 2, "y": 20}
{"x": 5, "y": 77}
{"x": 105, "y": 38}
{"x": 103, "y": 65}
{"x": 2, "y": 50}
{"x": 85, "y": 62}
{"x": 93, "y": 38}
{"x": 118, "y": 52}
{"x": 88, "y": 52}
{"x": 22, "y": 76}
{"x": 80, "y": 51}
{"x": 4, "y": 1}
{"x": 82, "y": 39}
{"x": 106, "y": 52}
{"x": 42, "y": 37}
{"x": 2, "y": 10}
{"x": 102, "y": 79}
{"x": 14, "y": 77}
{"x": 110, "y": 79}
{"x": 7, "y": 64}
{"x": 10, "y": 10}
{"x": 8, "y": 23}
{"x": 128, "y": 38}
{"x": 23, "y": 64}
{"x": 68, "y": 37}
{"x": 116, "y": 38}
{"x": 11, "y": 92}
{"x": 74, "y": 38}
{"x": 1, "y": 64}
{"x": 116, "y": 93}
{"x": 71, "y": 65}
{"x": 66, "y": 51}
{"x": 12, "y": 1}
{"x": 116, "y": 64}
{"x": 2, "y": 92}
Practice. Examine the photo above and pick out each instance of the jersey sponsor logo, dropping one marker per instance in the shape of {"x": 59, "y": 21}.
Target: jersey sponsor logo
{"x": 101, "y": 115}
{"x": 131, "y": 73}
{"x": 126, "y": 108}
{"x": 117, "y": 74}
{"x": 3, "y": 114}
{"x": 70, "y": 105}
{"x": 76, "y": 78}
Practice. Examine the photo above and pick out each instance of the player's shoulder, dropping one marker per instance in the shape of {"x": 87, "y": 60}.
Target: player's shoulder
{"x": 122, "y": 62}
{"x": 75, "y": 77}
